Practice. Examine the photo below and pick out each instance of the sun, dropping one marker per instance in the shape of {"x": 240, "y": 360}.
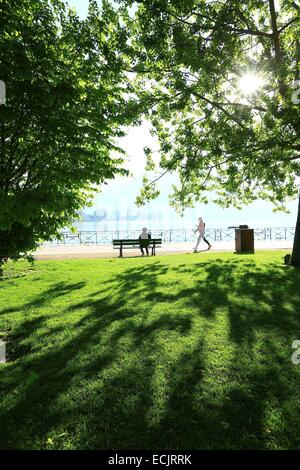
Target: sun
{"x": 250, "y": 83}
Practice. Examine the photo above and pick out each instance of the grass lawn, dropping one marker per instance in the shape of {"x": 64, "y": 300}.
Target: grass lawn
{"x": 171, "y": 352}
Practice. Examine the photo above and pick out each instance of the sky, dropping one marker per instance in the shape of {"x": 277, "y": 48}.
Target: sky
{"x": 121, "y": 192}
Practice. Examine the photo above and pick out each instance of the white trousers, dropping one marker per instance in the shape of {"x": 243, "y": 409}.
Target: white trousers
{"x": 201, "y": 236}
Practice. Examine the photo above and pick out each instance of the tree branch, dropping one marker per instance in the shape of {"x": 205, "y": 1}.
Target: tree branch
{"x": 156, "y": 179}
{"x": 277, "y": 48}
{"x": 250, "y": 32}
{"x": 220, "y": 107}
{"x": 293, "y": 20}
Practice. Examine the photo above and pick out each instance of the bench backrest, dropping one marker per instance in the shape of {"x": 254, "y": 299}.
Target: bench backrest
{"x": 137, "y": 241}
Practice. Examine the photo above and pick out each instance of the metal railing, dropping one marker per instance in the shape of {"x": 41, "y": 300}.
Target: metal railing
{"x": 170, "y": 236}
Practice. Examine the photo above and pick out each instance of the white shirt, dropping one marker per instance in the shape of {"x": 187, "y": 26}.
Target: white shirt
{"x": 201, "y": 228}
{"x": 144, "y": 235}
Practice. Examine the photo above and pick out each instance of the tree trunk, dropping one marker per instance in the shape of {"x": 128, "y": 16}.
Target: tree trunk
{"x": 295, "y": 260}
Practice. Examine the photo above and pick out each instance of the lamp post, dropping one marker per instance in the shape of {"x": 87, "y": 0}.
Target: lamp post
{"x": 295, "y": 259}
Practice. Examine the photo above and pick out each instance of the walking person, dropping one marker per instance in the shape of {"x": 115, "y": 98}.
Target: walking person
{"x": 144, "y": 241}
{"x": 201, "y": 229}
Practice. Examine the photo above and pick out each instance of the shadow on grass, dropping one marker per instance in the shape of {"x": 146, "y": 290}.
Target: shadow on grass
{"x": 163, "y": 357}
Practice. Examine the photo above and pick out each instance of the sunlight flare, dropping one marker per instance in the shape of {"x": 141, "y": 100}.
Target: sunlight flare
{"x": 250, "y": 83}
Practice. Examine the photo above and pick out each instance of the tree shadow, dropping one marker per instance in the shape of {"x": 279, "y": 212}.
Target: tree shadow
{"x": 162, "y": 356}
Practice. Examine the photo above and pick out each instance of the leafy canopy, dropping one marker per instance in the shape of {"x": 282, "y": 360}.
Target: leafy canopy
{"x": 190, "y": 57}
{"x": 66, "y": 104}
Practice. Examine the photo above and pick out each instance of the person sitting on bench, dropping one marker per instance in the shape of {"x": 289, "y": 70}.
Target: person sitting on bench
{"x": 143, "y": 243}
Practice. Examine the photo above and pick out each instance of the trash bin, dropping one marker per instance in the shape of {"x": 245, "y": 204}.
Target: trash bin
{"x": 244, "y": 239}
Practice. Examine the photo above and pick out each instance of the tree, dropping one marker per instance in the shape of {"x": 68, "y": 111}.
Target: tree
{"x": 65, "y": 105}
{"x": 224, "y": 101}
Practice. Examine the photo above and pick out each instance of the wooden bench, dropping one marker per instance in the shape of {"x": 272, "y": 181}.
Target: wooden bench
{"x": 136, "y": 243}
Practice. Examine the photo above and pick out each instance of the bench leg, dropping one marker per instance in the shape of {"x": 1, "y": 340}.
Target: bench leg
{"x": 153, "y": 250}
